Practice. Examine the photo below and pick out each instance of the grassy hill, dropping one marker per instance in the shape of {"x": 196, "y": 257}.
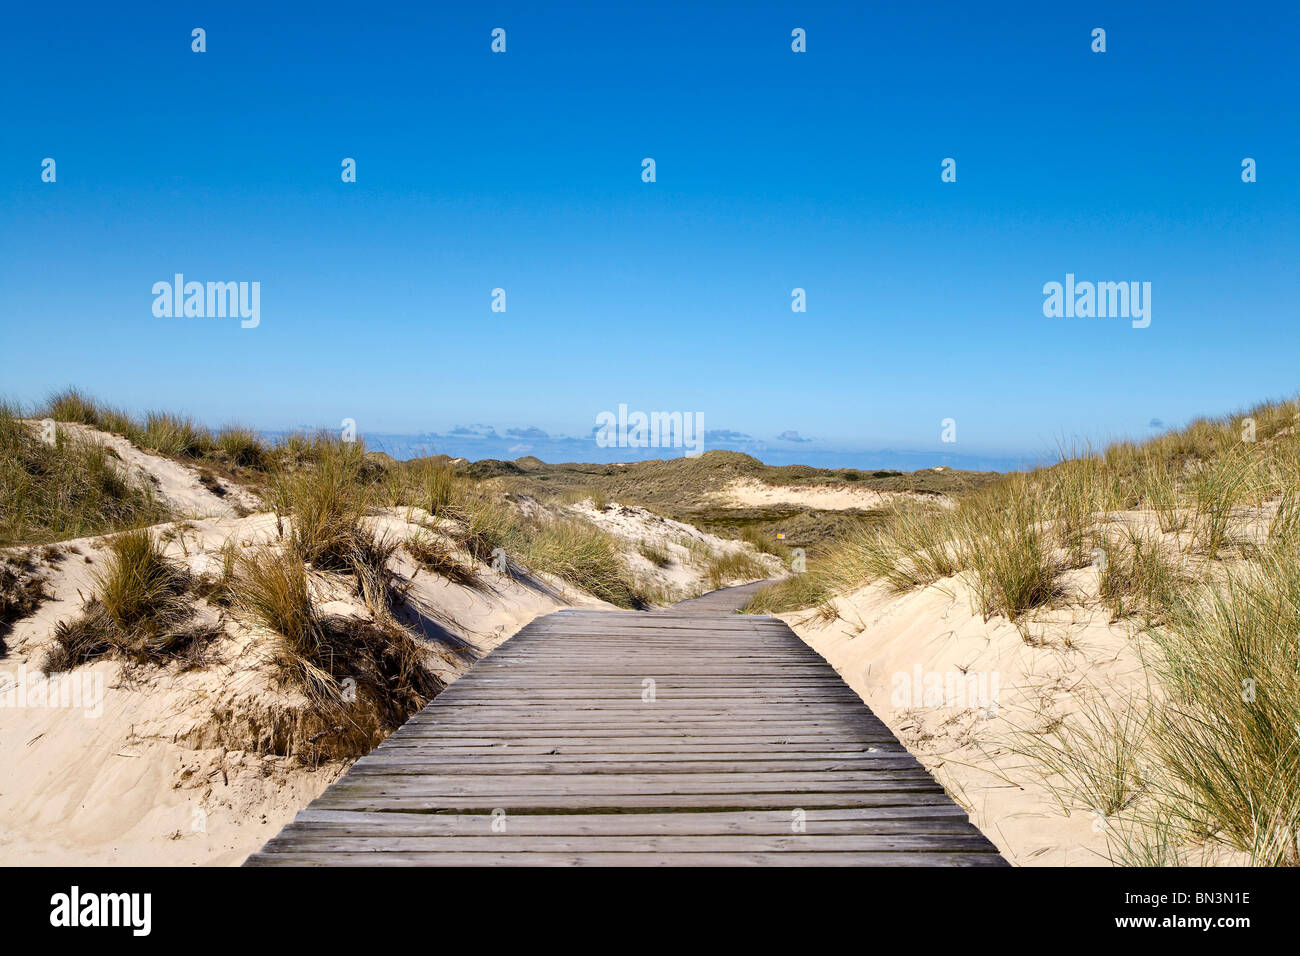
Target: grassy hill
{"x": 682, "y": 488}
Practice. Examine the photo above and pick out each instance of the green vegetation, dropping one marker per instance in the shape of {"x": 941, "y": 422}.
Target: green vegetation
{"x": 241, "y": 447}
{"x": 363, "y": 679}
{"x": 361, "y": 675}
{"x": 1226, "y": 745}
{"x": 435, "y": 486}
{"x": 681, "y": 488}
{"x": 430, "y": 553}
{"x": 140, "y": 611}
{"x": 327, "y": 501}
{"x": 581, "y": 554}
{"x": 734, "y": 566}
{"x": 70, "y": 487}
{"x": 656, "y": 553}
{"x": 1095, "y": 757}
{"x": 1139, "y": 576}
{"x": 794, "y": 592}
{"x": 576, "y": 551}
{"x": 766, "y": 542}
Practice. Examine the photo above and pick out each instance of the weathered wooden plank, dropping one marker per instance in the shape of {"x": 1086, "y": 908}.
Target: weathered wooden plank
{"x": 773, "y": 725}
{"x": 414, "y": 801}
{"x": 397, "y": 765}
{"x": 526, "y": 788}
{"x": 510, "y": 858}
{"x": 574, "y": 824}
{"x": 632, "y": 748}
{"x": 405, "y": 763}
{"x": 327, "y": 842}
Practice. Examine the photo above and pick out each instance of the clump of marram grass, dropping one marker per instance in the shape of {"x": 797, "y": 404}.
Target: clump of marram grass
{"x": 699, "y": 551}
{"x": 217, "y": 584}
{"x": 1092, "y": 759}
{"x": 1218, "y": 486}
{"x": 22, "y": 590}
{"x": 1227, "y": 740}
{"x": 326, "y": 502}
{"x": 767, "y": 543}
{"x": 432, "y": 554}
{"x": 732, "y": 566}
{"x": 176, "y": 436}
{"x": 140, "y": 611}
{"x": 1160, "y": 494}
{"x": 790, "y": 594}
{"x": 1077, "y": 493}
{"x": 656, "y": 553}
{"x": 1284, "y": 528}
{"x": 241, "y": 447}
{"x": 436, "y": 487}
{"x": 581, "y": 554}
{"x": 573, "y": 549}
{"x": 1000, "y": 536}
{"x": 68, "y": 487}
{"x": 1005, "y": 545}
{"x": 75, "y": 406}
{"x": 486, "y": 524}
{"x": 916, "y": 546}
{"x": 362, "y": 679}
{"x": 71, "y": 405}
{"x": 298, "y": 448}
{"x": 1138, "y": 576}
{"x": 368, "y": 560}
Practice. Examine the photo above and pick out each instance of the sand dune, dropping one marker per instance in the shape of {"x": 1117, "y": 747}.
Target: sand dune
{"x": 177, "y": 766}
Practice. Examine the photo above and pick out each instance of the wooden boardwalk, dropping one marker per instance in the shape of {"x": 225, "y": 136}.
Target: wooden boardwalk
{"x": 691, "y": 736}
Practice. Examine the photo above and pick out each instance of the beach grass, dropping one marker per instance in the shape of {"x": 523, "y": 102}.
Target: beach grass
{"x": 140, "y": 611}
{"x": 67, "y": 487}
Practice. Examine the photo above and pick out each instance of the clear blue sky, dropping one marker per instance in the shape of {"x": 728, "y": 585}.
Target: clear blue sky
{"x": 775, "y": 170}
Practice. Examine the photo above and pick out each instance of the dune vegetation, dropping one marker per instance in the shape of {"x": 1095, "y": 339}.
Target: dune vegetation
{"x": 326, "y": 484}
{"x": 330, "y": 499}
{"x": 1193, "y": 537}
{"x": 141, "y": 611}
{"x": 361, "y": 674}
{"x": 64, "y": 487}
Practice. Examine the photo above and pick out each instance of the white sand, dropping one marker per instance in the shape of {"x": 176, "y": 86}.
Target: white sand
{"x": 750, "y": 492}
{"x": 880, "y": 640}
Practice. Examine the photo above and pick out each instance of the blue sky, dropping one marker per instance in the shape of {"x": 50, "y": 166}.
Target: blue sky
{"x": 775, "y": 170}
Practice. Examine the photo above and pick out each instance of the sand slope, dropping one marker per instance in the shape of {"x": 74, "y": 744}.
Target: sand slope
{"x": 882, "y": 642}
{"x": 147, "y": 771}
